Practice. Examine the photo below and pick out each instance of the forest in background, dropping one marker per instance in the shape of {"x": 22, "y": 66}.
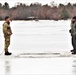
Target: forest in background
{"x": 38, "y": 11}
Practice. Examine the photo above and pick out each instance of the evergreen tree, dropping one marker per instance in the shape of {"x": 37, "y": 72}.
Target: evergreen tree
{"x": 6, "y": 5}
{"x": 64, "y": 14}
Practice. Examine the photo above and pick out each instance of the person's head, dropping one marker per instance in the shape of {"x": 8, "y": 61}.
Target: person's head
{"x": 73, "y": 19}
{"x": 7, "y": 19}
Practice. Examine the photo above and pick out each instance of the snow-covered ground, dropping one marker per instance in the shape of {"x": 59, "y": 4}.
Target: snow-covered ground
{"x": 38, "y": 37}
{"x": 38, "y": 66}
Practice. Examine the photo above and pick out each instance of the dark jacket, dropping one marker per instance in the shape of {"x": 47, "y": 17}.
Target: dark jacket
{"x": 73, "y": 29}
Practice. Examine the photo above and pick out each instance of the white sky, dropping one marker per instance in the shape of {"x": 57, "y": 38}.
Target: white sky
{"x": 13, "y": 2}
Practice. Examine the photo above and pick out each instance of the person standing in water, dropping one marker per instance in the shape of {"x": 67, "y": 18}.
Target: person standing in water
{"x": 73, "y": 34}
{"x": 7, "y": 34}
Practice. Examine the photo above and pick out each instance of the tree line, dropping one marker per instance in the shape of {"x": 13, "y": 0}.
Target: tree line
{"x": 39, "y": 11}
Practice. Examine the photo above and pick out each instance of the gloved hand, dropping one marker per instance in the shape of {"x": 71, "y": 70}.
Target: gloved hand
{"x": 70, "y": 31}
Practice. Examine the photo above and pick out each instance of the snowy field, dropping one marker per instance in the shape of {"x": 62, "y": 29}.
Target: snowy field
{"x": 37, "y": 48}
{"x": 38, "y": 66}
{"x": 38, "y": 37}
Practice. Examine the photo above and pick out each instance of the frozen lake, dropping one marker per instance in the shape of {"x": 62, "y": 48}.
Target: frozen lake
{"x": 38, "y": 66}
{"x": 38, "y": 37}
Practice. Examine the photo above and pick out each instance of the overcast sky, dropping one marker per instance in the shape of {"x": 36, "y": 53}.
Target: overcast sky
{"x": 13, "y": 2}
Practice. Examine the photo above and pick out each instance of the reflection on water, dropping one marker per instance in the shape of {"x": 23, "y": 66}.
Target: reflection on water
{"x": 50, "y": 66}
{"x": 74, "y": 66}
{"x": 7, "y": 67}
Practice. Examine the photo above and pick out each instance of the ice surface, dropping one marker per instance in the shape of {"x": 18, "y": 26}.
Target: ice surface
{"x": 44, "y": 36}
{"x": 41, "y": 39}
{"x": 37, "y": 66}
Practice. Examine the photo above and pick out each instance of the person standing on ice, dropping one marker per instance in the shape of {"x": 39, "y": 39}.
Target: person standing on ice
{"x": 73, "y": 34}
{"x": 7, "y": 34}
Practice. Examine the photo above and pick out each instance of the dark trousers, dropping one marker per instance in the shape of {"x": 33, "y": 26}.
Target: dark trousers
{"x": 74, "y": 42}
